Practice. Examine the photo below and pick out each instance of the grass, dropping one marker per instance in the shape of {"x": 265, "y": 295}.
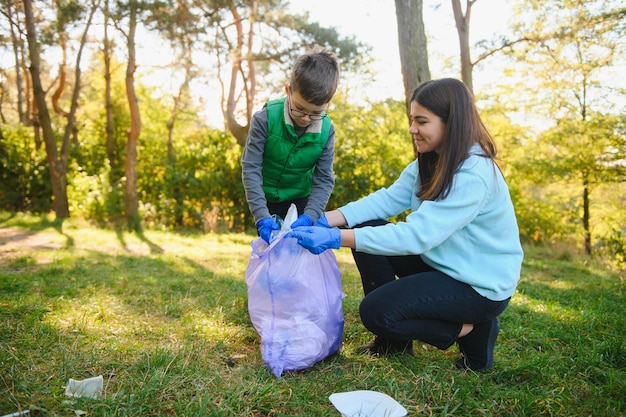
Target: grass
{"x": 163, "y": 318}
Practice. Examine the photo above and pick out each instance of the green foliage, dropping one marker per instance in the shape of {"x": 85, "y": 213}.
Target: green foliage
{"x": 24, "y": 176}
{"x": 95, "y": 197}
{"x": 177, "y": 187}
{"x": 372, "y": 148}
{"x": 96, "y": 183}
{"x": 540, "y": 220}
{"x": 91, "y": 152}
{"x": 204, "y": 174}
{"x": 557, "y": 166}
{"x": 612, "y": 246}
{"x": 592, "y": 149}
{"x": 609, "y": 223}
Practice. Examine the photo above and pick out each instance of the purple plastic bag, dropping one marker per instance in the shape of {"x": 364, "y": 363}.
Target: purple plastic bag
{"x": 295, "y": 303}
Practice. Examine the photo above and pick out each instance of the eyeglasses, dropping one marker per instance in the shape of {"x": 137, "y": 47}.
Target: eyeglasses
{"x": 300, "y": 114}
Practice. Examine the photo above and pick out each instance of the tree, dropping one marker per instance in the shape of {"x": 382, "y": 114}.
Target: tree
{"x": 68, "y": 13}
{"x": 413, "y": 46}
{"x": 127, "y": 17}
{"x": 463, "y": 28}
{"x": 107, "y": 46}
{"x": 575, "y": 45}
{"x": 57, "y": 161}
{"x": 258, "y": 35}
{"x": 129, "y": 13}
{"x": 10, "y": 11}
{"x": 488, "y": 48}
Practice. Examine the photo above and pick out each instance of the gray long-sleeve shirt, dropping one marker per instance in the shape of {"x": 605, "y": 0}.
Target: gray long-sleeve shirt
{"x": 252, "y": 170}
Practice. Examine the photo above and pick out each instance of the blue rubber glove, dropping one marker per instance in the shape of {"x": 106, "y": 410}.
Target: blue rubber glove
{"x": 317, "y": 239}
{"x": 265, "y": 227}
{"x": 322, "y": 221}
{"x": 302, "y": 220}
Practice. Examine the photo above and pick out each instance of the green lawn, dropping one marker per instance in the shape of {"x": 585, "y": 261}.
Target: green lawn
{"x": 163, "y": 318}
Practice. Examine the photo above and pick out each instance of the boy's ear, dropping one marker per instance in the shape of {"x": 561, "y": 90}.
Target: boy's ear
{"x": 287, "y": 89}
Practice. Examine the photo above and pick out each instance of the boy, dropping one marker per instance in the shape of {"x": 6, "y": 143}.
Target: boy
{"x": 288, "y": 157}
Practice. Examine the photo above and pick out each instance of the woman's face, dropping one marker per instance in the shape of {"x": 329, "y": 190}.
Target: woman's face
{"x": 426, "y": 129}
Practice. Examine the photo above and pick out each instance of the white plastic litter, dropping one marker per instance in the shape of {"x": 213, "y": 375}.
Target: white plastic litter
{"x": 366, "y": 403}
{"x": 17, "y": 414}
{"x": 90, "y": 387}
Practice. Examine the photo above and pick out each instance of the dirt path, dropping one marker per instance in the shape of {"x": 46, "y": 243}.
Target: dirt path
{"x": 15, "y": 242}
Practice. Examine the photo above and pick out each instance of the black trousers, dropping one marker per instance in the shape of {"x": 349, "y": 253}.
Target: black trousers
{"x": 406, "y": 299}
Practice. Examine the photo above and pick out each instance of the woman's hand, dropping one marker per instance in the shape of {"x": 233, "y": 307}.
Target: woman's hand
{"x": 317, "y": 239}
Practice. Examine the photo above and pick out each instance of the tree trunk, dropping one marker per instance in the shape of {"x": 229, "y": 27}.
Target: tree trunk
{"x": 586, "y": 214}
{"x": 131, "y": 202}
{"x": 57, "y": 164}
{"x": 413, "y": 46}
{"x": 413, "y": 49}
{"x": 17, "y": 52}
{"x": 31, "y": 115}
{"x": 108, "y": 100}
{"x": 462, "y": 27}
{"x": 71, "y": 130}
{"x": 240, "y": 132}
{"x": 56, "y": 96}
{"x": 187, "y": 63}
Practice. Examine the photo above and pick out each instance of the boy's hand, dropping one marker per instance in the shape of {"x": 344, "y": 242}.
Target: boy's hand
{"x": 302, "y": 220}
{"x": 265, "y": 227}
{"x": 317, "y": 239}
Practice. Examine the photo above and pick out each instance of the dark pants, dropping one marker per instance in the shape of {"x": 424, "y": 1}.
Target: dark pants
{"x": 282, "y": 208}
{"x": 423, "y": 303}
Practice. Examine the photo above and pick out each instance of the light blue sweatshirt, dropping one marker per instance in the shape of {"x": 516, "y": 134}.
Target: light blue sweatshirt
{"x": 471, "y": 235}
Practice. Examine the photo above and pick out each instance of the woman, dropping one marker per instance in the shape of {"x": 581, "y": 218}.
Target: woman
{"x": 457, "y": 257}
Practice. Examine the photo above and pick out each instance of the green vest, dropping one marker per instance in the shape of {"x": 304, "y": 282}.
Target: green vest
{"x": 289, "y": 161}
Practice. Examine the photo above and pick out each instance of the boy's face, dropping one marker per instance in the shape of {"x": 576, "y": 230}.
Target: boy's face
{"x": 302, "y": 112}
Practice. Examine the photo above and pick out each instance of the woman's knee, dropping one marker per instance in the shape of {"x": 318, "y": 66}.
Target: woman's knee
{"x": 372, "y": 313}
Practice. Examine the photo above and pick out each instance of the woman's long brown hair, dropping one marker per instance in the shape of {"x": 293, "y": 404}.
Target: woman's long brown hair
{"x": 453, "y": 103}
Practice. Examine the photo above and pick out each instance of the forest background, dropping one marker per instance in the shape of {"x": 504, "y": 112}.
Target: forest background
{"x": 85, "y": 134}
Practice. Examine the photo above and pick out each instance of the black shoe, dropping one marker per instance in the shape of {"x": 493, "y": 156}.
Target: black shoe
{"x": 477, "y": 347}
{"x": 381, "y": 346}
